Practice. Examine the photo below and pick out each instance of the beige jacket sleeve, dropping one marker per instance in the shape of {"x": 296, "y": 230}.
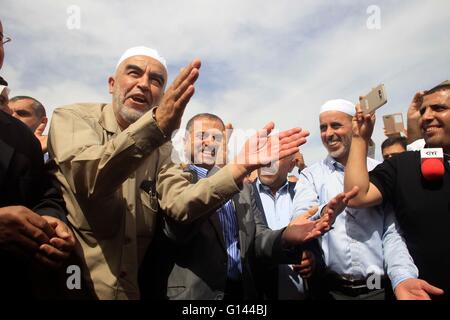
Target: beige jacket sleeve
{"x": 184, "y": 201}
{"x": 94, "y": 164}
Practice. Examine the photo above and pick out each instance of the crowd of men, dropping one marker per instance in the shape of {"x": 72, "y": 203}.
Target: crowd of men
{"x": 102, "y": 193}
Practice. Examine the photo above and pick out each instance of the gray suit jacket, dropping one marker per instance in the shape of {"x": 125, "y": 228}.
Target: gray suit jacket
{"x": 190, "y": 261}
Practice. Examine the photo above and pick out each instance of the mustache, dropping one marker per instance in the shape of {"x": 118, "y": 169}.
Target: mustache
{"x": 333, "y": 139}
{"x": 209, "y": 149}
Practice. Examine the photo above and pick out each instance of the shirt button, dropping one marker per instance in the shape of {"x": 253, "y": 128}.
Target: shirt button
{"x": 122, "y": 274}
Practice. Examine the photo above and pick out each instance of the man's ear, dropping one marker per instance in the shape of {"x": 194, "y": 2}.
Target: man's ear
{"x": 111, "y": 82}
{"x": 44, "y": 120}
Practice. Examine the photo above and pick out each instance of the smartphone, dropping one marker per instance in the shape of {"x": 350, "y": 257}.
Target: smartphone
{"x": 375, "y": 99}
{"x": 393, "y": 123}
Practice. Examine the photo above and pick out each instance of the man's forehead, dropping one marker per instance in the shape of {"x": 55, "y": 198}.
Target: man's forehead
{"x": 330, "y": 116}
{"x": 23, "y": 103}
{"x": 205, "y": 124}
{"x": 440, "y": 96}
{"x": 142, "y": 62}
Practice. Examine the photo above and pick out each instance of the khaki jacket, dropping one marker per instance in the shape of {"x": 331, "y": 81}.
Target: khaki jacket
{"x": 113, "y": 182}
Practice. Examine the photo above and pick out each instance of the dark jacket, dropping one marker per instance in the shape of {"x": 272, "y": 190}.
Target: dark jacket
{"x": 190, "y": 261}
{"x": 23, "y": 181}
{"x": 268, "y": 273}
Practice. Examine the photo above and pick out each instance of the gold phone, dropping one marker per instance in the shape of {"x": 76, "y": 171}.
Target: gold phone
{"x": 375, "y": 99}
{"x": 393, "y": 123}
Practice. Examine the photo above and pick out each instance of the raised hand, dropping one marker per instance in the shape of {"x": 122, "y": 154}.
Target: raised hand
{"x": 262, "y": 148}
{"x": 39, "y": 134}
{"x": 302, "y": 230}
{"x": 414, "y": 106}
{"x": 170, "y": 110}
{"x": 362, "y": 125}
{"x": 336, "y": 205}
{"x": 413, "y": 117}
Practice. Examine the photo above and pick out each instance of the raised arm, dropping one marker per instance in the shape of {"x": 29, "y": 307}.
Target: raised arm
{"x": 186, "y": 202}
{"x": 96, "y": 164}
{"x": 413, "y": 129}
{"x": 356, "y": 173}
{"x": 263, "y": 149}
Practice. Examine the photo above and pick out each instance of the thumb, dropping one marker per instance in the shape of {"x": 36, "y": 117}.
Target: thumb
{"x": 351, "y": 194}
{"x": 62, "y": 230}
{"x": 308, "y": 214}
{"x": 432, "y": 289}
{"x": 53, "y": 224}
{"x": 269, "y": 127}
{"x": 336, "y": 200}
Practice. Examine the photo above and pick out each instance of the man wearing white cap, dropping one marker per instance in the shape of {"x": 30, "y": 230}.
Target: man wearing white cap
{"x": 113, "y": 165}
{"x": 363, "y": 246}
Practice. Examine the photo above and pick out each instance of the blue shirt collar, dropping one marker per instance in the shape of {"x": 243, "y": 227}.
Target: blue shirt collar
{"x": 266, "y": 189}
{"x": 201, "y": 172}
{"x": 333, "y": 164}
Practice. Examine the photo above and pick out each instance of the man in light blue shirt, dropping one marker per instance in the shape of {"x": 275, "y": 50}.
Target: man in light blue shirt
{"x": 363, "y": 246}
{"x": 276, "y": 195}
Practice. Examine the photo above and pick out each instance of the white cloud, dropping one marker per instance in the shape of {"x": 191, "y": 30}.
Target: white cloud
{"x": 261, "y": 60}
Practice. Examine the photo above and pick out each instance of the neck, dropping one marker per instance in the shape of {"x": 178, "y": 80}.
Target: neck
{"x": 276, "y": 186}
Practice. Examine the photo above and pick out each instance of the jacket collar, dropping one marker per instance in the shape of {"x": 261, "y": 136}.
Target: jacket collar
{"x": 263, "y": 188}
{"x": 5, "y": 118}
{"x": 108, "y": 119}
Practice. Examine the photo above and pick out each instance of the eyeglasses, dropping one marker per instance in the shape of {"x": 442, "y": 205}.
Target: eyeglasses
{"x": 5, "y": 39}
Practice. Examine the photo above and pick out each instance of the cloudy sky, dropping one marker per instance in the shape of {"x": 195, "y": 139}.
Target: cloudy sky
{"x": 262, "y": 60}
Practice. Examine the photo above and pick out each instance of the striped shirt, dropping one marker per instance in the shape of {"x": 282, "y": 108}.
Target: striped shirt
{"x": 228, "y": 220}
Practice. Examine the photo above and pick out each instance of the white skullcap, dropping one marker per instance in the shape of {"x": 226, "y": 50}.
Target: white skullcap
{"x": 142, "y": 51}
{"x": 339, "y": 105}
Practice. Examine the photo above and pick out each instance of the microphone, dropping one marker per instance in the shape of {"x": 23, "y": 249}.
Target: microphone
{"x": 432, "y": 160}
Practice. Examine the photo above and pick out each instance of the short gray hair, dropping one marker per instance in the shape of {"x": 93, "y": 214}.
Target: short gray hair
{"x": 38, "y": 107}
